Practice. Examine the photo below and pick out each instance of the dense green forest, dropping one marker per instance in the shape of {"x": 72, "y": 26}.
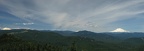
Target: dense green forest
{"x": 9, "y": 42}
{"x": 33, "y": 40}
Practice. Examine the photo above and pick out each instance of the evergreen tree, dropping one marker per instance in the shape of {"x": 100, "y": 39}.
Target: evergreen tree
{"x": 73, "y": 47}
{"x": 141, "y": 48}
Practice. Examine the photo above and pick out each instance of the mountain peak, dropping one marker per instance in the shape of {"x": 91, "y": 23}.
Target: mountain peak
{"x": 119, "y": 30}
{"x": 6, "y": 28}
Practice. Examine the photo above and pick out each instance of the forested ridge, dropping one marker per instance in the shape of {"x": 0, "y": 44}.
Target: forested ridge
{"x": 31, "y": 40}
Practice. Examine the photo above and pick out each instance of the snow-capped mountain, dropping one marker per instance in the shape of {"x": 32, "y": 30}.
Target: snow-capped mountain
{"x": 6, "y": 28}
{"x": 119, "y": 30}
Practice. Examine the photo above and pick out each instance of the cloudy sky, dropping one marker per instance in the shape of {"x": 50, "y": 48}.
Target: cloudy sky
{"x": 75, "y": 15}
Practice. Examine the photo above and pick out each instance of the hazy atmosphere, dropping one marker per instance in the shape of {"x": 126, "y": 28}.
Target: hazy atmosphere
{"x": 75, "y": 15}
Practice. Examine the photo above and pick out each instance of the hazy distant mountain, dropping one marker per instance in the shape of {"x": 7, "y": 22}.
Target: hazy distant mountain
{"x": 65, "y": 33}
{"x": 64, "y": 41}
{"x": 125, "y": 35}
{"x": 103, "y": 35}
{"x": 96, "y": 36}
{"x": 87, "y": 40}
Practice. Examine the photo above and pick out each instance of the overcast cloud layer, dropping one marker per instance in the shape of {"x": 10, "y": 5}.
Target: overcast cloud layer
{"x": 92, "y": 15}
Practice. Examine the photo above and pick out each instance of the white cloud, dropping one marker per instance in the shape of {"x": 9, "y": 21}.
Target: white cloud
{"x": 67, "y": 14}
{"x": 28, "y": 23}
{"x": 24, "y": 23}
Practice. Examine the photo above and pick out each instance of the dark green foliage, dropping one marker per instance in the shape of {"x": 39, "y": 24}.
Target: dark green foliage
{"x": 32, "y": 40}
{"x": 141, "y": 48}
{"x": 11, "y": 43}
{"x": 73, "y": 47}
{"x": 5, "y": 38}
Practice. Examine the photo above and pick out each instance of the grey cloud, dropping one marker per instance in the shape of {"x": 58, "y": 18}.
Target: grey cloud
{"x": 75, "y": 14}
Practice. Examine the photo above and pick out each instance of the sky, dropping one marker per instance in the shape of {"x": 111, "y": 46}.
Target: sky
{"x": 74, "y": 15}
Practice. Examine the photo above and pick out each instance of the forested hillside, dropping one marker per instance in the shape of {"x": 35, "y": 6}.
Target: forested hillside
{"x": 33, "y": 40}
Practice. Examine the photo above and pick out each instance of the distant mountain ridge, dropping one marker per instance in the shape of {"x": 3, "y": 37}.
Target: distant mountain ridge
{"x": 125, "y": 35}
{"x": 93, "y": 35}
{"x": 103, "y": 36}
{"x": 121, "y": 35}
{"x": 85, "y": 39}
